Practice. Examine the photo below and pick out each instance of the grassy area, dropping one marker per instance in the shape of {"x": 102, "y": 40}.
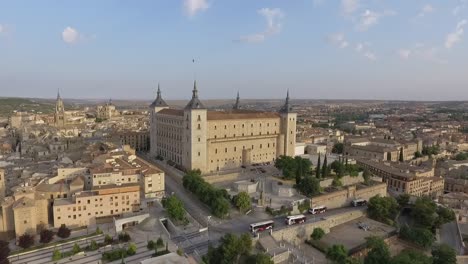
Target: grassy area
{"x": 9, "y": 105}
{"x": 53, "y": 244}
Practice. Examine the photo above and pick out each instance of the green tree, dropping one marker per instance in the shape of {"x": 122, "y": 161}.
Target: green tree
{"x": 317, "y": 234}
{"x": 382, "y": 208}
{"x": 56, "y": 255}
{"x": 403, "y": 199}
{"x": 260, "y": 258}
{"x": 108, "y": 239}
{"x": 310, "y": 186}
{"x": 63, "y": 231}
{"x": 444, "y": 215}
{"x": 366, "y": 175}
{"x": 338, "y": 148}
{"x": 159, "y": 243}
{"x": 461, "y": 156}
{"x": 317, "y": 169}
{"x": 378, "y": 251}
{"x": 417, "y": 154}
{"x": 93, "y": 246}
{"x": 424, "y": 212}
{"x": 151, "y": 245}
{"x": 175, "y": 208}
{"x": 132, "y": 248}
{"x": 409, "y": 256}
{"x": 338, "y": 167}
{"x": 76, "y": 249}
{"x": 242, "y": 201}
{"x": 337, "y": 254}
{"x": 325, "y": 167}
{"x": 420, "y": 236}
{"x": 230, "y": 250}
{"x": 443, "y": 254}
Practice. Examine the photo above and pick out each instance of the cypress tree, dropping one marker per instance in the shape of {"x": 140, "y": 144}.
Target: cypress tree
{"x": 401, "y": 154}
{"x": 317, "y": 172}
{"x": 324, "y": 167}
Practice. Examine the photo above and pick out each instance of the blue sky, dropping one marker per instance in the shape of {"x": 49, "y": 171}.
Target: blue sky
{"x": 319, "y": 49}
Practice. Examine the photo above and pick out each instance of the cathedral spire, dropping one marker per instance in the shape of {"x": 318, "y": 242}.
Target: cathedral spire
{"x": 58, "y": 94}
{"x": 237, "y": 104}
{"x": 195, "y": 91}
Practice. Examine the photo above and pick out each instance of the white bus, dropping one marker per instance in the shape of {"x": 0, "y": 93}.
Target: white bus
{"x": 318, "y": 210}
{"x": 359, "y": 202}
{"x": 295, "y": 219}
{"x": 262, "y": 226}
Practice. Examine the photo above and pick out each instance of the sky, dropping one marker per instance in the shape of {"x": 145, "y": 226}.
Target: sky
{"x": 318, "y": 49}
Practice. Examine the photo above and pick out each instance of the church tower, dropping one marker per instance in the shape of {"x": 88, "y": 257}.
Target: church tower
{"x": 59, "y": 116}
{"x": 236, "y": 106}
{"x": 157, "y": 105}
{"x": 195, "y": 134}
{"x": 288, "y": 128}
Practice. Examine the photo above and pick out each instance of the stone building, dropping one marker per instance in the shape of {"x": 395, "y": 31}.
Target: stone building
{"x": 106, "y": 111}
{"x": 137, "y": 140}
{"x": 403, "y": 178}
{"x": 382, "y": 148}
{"x": 198, "y": 138}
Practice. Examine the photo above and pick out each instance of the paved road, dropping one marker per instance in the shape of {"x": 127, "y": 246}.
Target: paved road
{"x": 449, "y": 235}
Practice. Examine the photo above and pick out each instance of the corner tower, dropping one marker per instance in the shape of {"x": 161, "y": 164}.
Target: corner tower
{"x": 195, "y": 134}
{"x": 288, "y": 128}
{"x": 157, "y": 105}
{"x": 236, "y": 106}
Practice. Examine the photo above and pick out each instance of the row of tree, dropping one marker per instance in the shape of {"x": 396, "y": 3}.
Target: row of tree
{"x": 216, "y": 199}
{"x": 175, "y": 208}
{"x": 235, "y": 249}
{"x": 45, "y": 236}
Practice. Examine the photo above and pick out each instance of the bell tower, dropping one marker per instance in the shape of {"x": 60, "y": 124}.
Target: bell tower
{"x": 59, "y": 116}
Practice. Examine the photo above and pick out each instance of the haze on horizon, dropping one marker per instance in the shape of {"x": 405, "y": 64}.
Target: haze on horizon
{"x": 319, "y": 49}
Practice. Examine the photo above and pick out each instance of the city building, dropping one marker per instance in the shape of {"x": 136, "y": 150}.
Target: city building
{"x": 106, "y": 111}
{"x": 404, "y": 178}
{"x": 383, "y": 149}
{"x": 198, "y": 138}
{"x": 137, "y": 140}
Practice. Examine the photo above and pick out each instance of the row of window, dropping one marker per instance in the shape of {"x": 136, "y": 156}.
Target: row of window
{"x": 243, "y": 147}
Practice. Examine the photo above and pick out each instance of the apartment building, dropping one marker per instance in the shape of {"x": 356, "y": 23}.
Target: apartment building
{"x": 87, "y": 207}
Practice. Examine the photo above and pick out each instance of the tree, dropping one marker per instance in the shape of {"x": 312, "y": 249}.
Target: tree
{"x": 409, "y": 256}
{"x": 46, "y": 236}
{"x": 242, "y": 201}
{"x": 98, "y": 230}
{"x": 230, "y": 250}
{"x": 378, "y": 251}
{"x": 93, "y": 246}
{"x": 310, "y": 186}
{"x": 338, "y": 148}
{"x": 76, "y": 249}
{"x": 124, "y": 237}
{"x": 317, "y": 169}
{"x": 132, "y": 248}
{"x": 403, "y": 199}
{"x": 401, "y": 159}
{"x": 56, "y": 255}
{"x": 443, "y": 254}
{"x": 325, "y": 167}
{"x": 151, "y": 245}
{"x": 4, "y": 252}
{"x": 444, "y": 215}
{"x": 424, "y": 212}
{"x": 338, "y": 167}
{"x": 382, "y": 208}
{"x": 337, "y": 254}
{"x": 366, "y": 175}
{"x": 461, "y": 156}
{"x": 417, "y": 154}
{"x": 175, "y": 208}
{"x": 108, "y": 239}
{"x": 63, "y": 231}
{"x": 317, "y": 234}
{"x": 26, "y": 241}
{"x": 420, "y": 236}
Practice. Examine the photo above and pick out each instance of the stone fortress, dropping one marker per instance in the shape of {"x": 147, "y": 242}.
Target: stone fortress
{"x": 198, "y": 138}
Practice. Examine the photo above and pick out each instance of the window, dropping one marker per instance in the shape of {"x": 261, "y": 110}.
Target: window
{"x": 25, "y": 221}
{"x": 225, "y": 150}
{"x": 198, "y": 139}
{"x": 216, "y": 151}
{"x": 150, "y": 185}
{"x": 58, "y": 218}
{"x": 199, "y": 126}
{"x": 199, "y": 118}
{"x": 235, "y": 149}
{"x": 198, "y": 154}
{"x": 225, "y": 126}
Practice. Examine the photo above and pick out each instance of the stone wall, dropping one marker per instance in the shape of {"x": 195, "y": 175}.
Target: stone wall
{"x": 346, "y": 180}
{"x": 343, "y": 198}
{"x": 298, "y": 233}
{"x": 211, "y": 179}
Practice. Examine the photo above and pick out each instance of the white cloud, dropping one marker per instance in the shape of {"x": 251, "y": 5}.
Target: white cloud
{"x": 364, "y": 49}
{"x": 370, "y": 18}
{"x": 349, "y": 6}
{"x": 192, "y": 7}
{"x": 404, "y": 53}
{"x": 455, "y": 36}
{"x": 461, "y": 5}
{"x": 370, "y": 55}
{"x": 427, "y": 9}
{"x": 70, "y": 35}
{"x": 338, "y": 40}
{"x": 273, "y": 17}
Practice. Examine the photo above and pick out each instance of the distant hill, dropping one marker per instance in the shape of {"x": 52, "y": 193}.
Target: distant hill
{"x": 9, "y": 105}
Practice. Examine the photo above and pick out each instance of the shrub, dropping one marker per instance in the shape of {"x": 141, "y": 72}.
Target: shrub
{"x": 63, "y": 231}
{"x": 98, "y": 231}
{"x": 46, "y": 236}
{"x": 180, "y": 252}
{"x": 76, "y": 249}
{"x": 124, "y": 237}
{"x": 93, "y": 246}
{"x": 56, "y": 255}
{"x": 26, "y": 241}
{"x": 159, "y": 243}
{"x": 114, "y": 254}
{"x": 108, "y": 239}
{"x": 317, "y": 234}
{"x": 420, "y": 236}
{"x": 151, "y": 245}
{"x": 132, "y": 248}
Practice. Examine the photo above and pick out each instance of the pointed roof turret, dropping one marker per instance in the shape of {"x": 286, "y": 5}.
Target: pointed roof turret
{"x": 58, "y": 94}
{"x": 158, "y": 101}
{"x": 195, "y": 103}
{"x": 286, "y": 107}
{"x": 236, "y": 106}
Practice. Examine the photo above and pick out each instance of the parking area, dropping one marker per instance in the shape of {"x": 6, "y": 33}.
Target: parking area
{"x": 356, "y": 232}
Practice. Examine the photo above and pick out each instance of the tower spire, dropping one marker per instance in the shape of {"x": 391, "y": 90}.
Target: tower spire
{"x": 236, "y": 106}
{"x": 195, "y": 103}
{"x": 58, "y": 94}
{"x": 286, "y": 107}
{"x": 158, "y": 101}
{"x": 158, "y": 93}
{"x": 195, "y": 91}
